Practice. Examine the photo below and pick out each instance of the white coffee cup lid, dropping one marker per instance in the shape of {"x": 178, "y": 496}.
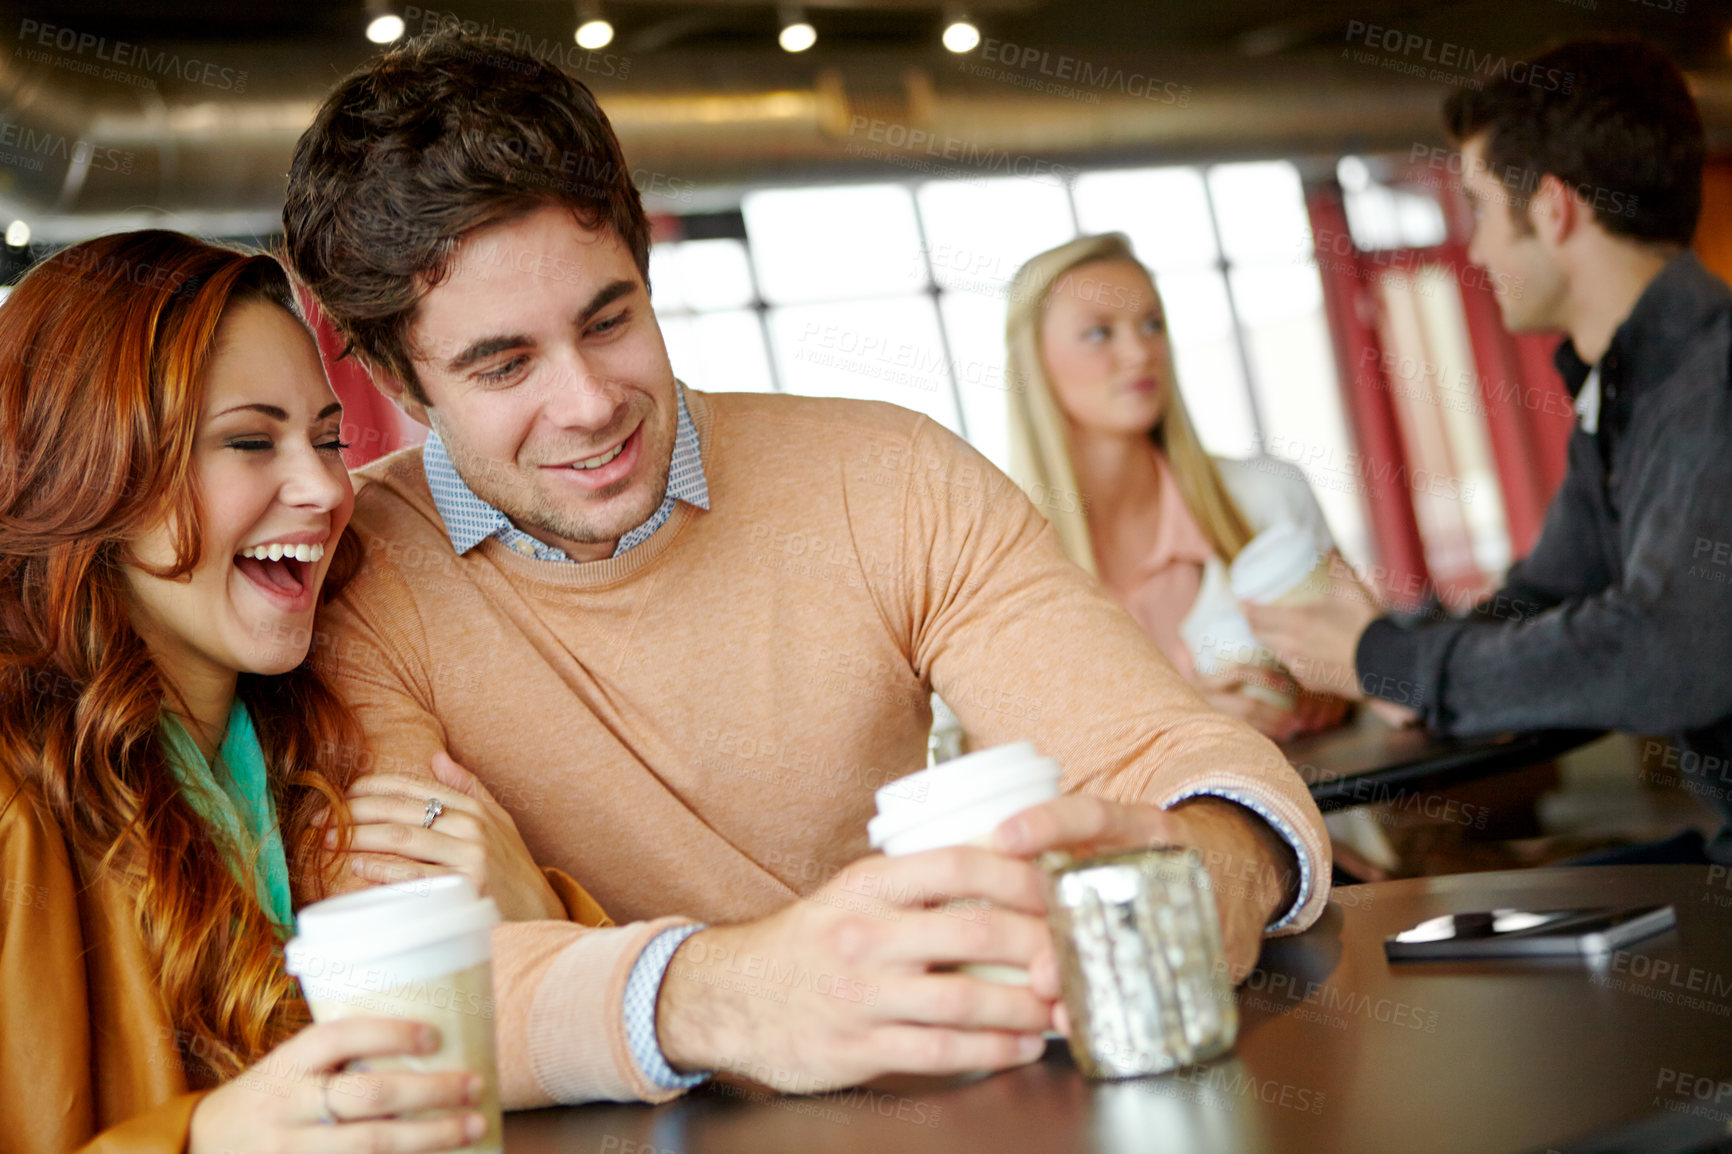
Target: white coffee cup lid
{"x": 1272, "y": 563}
{"x": 961, "y": 787}
{"x": 386, "y": 920}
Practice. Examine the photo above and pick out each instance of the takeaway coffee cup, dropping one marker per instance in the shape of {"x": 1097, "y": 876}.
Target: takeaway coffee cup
{"x": 960, "y": 802}
{"x": 1279, "y": 566}
{"x": 420, "y": 949}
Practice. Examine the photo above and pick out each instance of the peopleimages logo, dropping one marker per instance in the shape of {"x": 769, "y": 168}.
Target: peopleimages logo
{"x": 135, "y": 57}
{"x": 1105, "y": 77}
{"x": 24, "y": 147}
{"x": 1414, "y": 51}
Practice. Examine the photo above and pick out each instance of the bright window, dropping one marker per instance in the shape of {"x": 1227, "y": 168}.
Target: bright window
{"x": 837, "y": 243}
{"x": 875, "y": 350}
{"x": 896, "y": 292}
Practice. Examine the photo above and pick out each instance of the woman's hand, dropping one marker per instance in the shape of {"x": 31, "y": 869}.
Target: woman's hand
{"x": 298, "y": 1100}
{"x": 1225, "y": 692}
{"x": 474, "y": 836}
{"x": 1319, "y": 710}
{"x": 1309, "y": 712}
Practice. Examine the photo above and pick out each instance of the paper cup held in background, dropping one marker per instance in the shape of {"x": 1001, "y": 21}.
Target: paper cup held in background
{"x": 420, "y": 949}
{"x": 1280, "y": 566}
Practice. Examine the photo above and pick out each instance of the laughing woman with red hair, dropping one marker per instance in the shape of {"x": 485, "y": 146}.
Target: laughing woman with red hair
{"x": 172, "y": 506}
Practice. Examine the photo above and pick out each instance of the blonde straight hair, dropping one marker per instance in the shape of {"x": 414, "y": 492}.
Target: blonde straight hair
{"x": 1039, "y": 454}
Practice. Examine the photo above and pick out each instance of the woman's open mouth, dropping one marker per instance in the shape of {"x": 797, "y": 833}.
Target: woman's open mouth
{"x": 283, "y": 573}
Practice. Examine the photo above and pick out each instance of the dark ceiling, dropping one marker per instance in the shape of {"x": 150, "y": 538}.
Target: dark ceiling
{"x": 703, "y": 97}
{"x": 1695, "y": 32}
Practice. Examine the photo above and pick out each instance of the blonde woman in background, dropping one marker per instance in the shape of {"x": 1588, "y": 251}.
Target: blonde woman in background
{"x": 1100, "y": 441}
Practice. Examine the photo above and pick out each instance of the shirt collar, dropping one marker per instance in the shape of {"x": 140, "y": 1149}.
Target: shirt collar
{"x": 1660, "y": 331}
{"x": 469, "y": 520}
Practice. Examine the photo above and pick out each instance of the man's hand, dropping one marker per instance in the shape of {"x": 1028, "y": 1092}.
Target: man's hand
{"x": 1319, "y": 643}
{"x": 838, "y": 988}
{"x": 1254, "y": 872}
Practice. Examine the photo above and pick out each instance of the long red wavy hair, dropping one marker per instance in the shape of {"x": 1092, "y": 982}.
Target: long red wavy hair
{"x": 103, "y": 353}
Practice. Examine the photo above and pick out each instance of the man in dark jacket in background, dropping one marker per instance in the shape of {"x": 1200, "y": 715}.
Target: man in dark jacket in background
{"x": 1586, "y": 195}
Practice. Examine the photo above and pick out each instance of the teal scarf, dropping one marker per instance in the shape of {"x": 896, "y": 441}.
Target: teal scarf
{"x": 234, "y": 796}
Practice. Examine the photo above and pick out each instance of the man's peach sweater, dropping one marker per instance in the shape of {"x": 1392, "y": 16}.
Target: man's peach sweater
{"x": 695, "y": 729}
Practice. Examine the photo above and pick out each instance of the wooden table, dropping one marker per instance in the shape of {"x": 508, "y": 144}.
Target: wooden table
{"x": 1338, "y": 1052}
{"x": 1368, "y": 760}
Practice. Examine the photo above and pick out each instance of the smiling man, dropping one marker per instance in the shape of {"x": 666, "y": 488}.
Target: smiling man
{"x": 684, "y": 637}
{"x": 1620, "y": 617}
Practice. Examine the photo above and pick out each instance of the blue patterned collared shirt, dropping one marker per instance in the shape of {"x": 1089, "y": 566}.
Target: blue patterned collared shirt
{"x": 469, "y": 521}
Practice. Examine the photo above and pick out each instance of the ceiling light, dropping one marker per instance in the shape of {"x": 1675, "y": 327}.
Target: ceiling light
{"x": 385, "y": 26}
{"x": 17, "y": 234}
{"x": 797, "y": 35}
{"x": 593, "y": 30}
{"x": 961, "y": 36}
{"x": 594, "y": 34}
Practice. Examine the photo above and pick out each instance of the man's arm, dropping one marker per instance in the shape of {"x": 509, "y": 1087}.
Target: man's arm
{"x": 560, "y": 1017}
{"x": 1347, "y": 645}
{"x": 1568, "y": 560}
{"x": 1645, "y": 654}
{"x": 1022, "y": 644}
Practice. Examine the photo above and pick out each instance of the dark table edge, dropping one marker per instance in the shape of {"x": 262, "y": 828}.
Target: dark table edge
{"x": 1454, "y": 767}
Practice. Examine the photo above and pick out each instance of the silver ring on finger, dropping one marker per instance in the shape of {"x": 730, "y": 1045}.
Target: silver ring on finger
{"x": 327, "y": 1116}
{"x": 435, "y": 807}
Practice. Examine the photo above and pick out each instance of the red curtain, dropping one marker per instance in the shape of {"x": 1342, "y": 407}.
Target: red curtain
{"x": 1528, "y": 412}
{"x": 1352, "y": 311}
{"x": 372, "y": 425}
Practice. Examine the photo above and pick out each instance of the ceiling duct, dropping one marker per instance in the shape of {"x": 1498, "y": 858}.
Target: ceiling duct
{"x": 82, "y": 153}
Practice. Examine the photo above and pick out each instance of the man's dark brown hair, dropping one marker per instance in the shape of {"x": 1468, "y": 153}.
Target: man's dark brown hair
{"x": 1610, "y": 117}
{"x": 437, "y": 137}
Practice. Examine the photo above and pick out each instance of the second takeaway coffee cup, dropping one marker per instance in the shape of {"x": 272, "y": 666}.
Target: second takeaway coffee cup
{"x": 960, "y": 802}
{"x": 1279, "y": 566}
{"x": 419, "y": 949}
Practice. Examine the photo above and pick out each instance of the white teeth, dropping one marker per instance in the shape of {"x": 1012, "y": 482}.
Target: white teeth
{"x": 598, "y": 462}
{"x": 278, "y": 551}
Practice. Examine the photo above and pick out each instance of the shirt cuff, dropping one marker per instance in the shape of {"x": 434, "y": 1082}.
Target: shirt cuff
{"x": 642, "y": 989}
{"x": 1251, "y": 802}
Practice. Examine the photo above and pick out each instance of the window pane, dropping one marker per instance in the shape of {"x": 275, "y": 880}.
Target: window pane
{"x": 683, "y": 351}
{"x": 1165, "y": 212}
{"x": 1381, "y": 218}
{"x": 880, "y": 350}
{"x": 1287, "y": 337}
{"x": 1437, "y": 296}
{"x": 812, "y": 244}
{"x": 665, "y": 283}
{"x": 1261, "y": 210}
{"x": 1211, "y": 379}
{"x": 714, "y": 274}
{"x": 974, "y": 325}
{"x": 719, "y": 352}
{"x": 978, "y": 233}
